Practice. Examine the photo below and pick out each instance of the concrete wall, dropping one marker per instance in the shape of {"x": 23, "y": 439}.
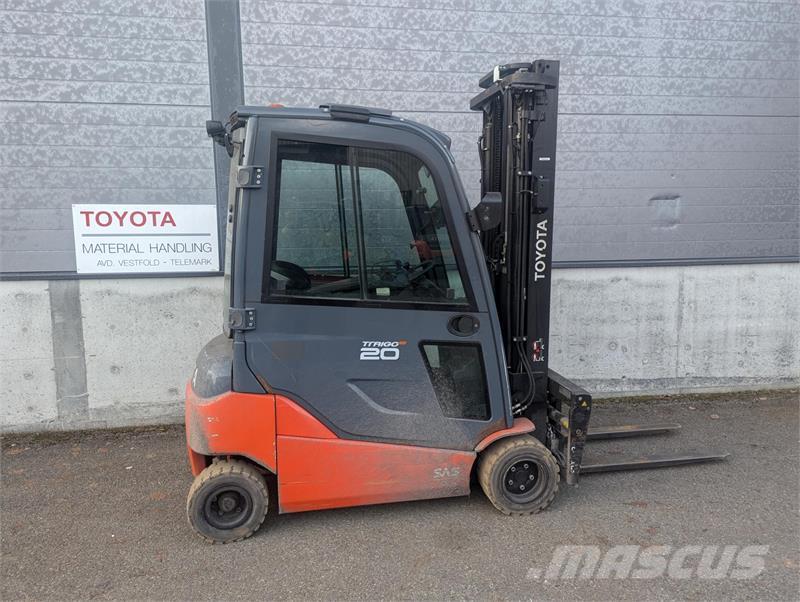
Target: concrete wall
{"x": 101, "y": 353}
{"x": 617, "y": 331}
{"x": 677, "y": 329}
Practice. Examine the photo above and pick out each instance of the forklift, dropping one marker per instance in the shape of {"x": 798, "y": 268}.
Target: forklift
{"x": 384, "y": 340}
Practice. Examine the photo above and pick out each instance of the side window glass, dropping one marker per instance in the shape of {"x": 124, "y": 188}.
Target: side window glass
{"x": 458, "y": 378}
{"x": 315, "y": 251}
{"x": 408, "y": 251}
{"x": 358, "y": 223}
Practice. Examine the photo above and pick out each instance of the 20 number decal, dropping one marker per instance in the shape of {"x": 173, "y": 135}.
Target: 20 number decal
{"x": 381, "y": 350}
{"x": 373, "y": 353}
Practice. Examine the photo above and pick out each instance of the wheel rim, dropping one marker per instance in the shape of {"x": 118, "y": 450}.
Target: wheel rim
{"x": 227, "y": 507}
{"x": 523, "y": 480}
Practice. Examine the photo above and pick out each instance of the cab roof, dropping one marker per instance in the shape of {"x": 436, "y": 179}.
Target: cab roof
{"x": 354, "y": 113}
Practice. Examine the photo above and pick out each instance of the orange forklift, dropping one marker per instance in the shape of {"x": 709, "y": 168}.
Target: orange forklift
{"x": 385, "y": 340}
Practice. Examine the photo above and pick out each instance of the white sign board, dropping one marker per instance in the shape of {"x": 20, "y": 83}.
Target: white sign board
{"x": 144, "y": 239}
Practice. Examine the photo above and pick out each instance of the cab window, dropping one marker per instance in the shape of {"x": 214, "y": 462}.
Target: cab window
{"x": 408, "y": 254}
{"x": 315, "y": 238}
{"x": 360, "y": 224}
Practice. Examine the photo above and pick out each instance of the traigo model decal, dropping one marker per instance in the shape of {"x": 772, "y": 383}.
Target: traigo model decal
{"x": 381, "y": 350}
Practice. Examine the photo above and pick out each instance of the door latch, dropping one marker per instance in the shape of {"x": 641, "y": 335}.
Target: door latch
{"x": 249, "y": 176}
{"x": 463, "y": 325}
{"x": 241, "y": 318}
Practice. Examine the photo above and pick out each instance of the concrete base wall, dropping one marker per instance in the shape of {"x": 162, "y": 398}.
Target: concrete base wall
{"x": 637, "y": 331}
{"x": 105, "y": 353}
{"x": 139, "y": 341}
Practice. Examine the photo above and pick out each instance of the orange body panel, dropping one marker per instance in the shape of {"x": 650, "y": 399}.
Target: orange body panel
{"x": 197, "y": 462}
{"x": 520, "y": 427}
{"x": 315, "y": 468}
{"x": 334, "y": 473}
{"x": 237, "y": 424}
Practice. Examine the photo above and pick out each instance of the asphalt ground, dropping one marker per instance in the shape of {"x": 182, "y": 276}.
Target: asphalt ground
{"x": 102, "y": 516}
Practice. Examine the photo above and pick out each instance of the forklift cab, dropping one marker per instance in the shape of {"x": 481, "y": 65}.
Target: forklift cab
{"x": 366, "y": 286}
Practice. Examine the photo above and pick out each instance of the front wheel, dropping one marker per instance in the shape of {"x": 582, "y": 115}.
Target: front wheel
{"x": 519, "y": 475}
{"x": 228, "y": 501}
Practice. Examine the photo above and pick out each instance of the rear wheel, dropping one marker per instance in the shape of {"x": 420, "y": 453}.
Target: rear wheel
{"x": 228, "y": 501}
{"x": 519, "y": 475}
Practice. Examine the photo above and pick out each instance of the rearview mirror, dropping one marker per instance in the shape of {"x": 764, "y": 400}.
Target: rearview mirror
{"x": 220, "y": 134}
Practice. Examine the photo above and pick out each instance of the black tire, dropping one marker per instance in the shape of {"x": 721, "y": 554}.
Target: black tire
{"x": 519, "y": 475}
{"x": 228, "y": 501}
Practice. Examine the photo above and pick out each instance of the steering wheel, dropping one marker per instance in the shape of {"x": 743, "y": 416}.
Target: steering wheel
{"x": 297, "y": 278}
{"x": 418, "y": 271}
{"x": 400, "y": 275}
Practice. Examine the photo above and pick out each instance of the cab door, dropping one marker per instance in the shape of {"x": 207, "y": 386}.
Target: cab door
{"x": 369, "y": 303}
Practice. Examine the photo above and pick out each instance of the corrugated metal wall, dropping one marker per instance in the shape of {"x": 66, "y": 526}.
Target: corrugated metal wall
{"x": 678, "y": 133}
{"x": 100, "y": 101}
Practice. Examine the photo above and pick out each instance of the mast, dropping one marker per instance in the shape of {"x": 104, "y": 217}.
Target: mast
{"x": 517, "y": 147}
